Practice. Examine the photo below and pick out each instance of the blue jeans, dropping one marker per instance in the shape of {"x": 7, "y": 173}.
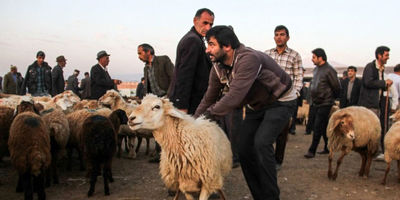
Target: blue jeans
{"x": 254, "y": 137}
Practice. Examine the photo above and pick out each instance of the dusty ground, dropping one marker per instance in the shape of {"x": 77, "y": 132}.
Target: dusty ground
{"x": 299, "y": 178}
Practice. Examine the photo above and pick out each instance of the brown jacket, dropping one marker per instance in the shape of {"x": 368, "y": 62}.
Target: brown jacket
{"x": 255, "y": 79}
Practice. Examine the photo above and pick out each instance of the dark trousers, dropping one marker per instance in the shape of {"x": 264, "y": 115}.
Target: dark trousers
{"x": 256, "y": 135}
{"x": 382, "y": 105}
{"x": 292, "y": 128}
{"x": 320, "y": 124}
{"x": 283, "y": 136}
{"x": 226, "y": 124}
{"x": 311, "y": 119}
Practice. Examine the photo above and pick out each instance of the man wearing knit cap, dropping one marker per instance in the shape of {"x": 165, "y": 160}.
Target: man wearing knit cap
{"x": 38, "y": 77}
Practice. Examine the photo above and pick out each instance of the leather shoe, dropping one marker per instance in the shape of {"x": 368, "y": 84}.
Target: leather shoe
{"x": 309, "y": 155}
{"x": 326, "y": 151}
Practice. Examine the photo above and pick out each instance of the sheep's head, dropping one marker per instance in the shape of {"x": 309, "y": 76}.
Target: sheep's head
{"x": 343, "y": 125}
{"x": 152, "y": 112}
{"x": 26, "y": 104}
{"x": 110, "y": 98}
{"x": 66, "y": 100}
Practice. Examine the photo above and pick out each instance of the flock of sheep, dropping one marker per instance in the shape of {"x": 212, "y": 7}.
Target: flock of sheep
{"x": 37, "y": 131}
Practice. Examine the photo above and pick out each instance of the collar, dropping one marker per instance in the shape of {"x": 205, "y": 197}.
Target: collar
{"x": 286, "y": 50}
{"x": 379, "y": 67}
{"x": 104, "y": 68}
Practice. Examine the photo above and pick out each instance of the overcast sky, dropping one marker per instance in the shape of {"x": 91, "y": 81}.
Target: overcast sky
{"x": 348, "y": 30}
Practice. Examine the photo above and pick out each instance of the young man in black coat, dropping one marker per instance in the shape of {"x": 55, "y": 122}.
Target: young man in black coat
{"x": 57, "y": 74}
{"x": 350, "y": 91}
{"x": 38, "y": 77}
{"x": 100, "y": 80}
{"x": 192, "y": 66}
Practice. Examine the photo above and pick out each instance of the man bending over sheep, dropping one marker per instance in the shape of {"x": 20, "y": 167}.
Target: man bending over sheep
{"x": 255, "y": 82}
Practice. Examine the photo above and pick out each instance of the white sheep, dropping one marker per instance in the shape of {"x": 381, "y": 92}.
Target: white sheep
{"x": 353, "y": 128}
{"x": 392, "y": 146}
{"x": 196, "y": 154}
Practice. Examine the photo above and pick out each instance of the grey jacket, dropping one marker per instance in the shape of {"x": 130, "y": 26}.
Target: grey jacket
{"x": 254, "y": 79}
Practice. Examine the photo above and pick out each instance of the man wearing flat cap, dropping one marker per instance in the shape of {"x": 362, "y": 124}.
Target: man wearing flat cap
{"x": 57, "y": 74}
{"x": 38, "y": 77}
{"x": 100, "y": 80}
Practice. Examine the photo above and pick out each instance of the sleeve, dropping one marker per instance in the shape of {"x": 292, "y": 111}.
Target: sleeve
{"x": 298, "y": 73}
{"x": 334, "y": 83}
{"x": 212, "y": 94}
{"x": 169, "y": 69}
{"x": 370, "y": 82}
{"x": 23, "y": 87}
{"x": 189, "y": 56}
{"x": 244, "y": 78}
{"x": 5, "y": 84}
{"x": 98, "y": 78}
{"x": 54, "y": 76}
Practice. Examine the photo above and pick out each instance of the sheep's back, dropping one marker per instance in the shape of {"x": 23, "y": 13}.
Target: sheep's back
{"x": 6, "y": 117}
{"x": 58, "y": 125}
{"x": 29, "y": 143}
{"x": 392, "y": 143}
{"x": 98, "y": 138}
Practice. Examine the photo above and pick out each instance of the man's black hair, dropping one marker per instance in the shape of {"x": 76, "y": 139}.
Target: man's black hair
{"x": 397, "y": 68}
{"x": 282, "y": 27}
{"x": 200, "y": 11}
{"x": 353, "y": 68}
{"x": 224, "y": 36}
{"x": 381, "y": 50}
{"x": 319, "y": 52}
{"x": 146, "y": 48}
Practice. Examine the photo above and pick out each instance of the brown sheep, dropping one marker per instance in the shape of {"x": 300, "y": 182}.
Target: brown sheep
{"x": 353, "y": 128}
{"x": 6, "y": 118}
{"x": 29, "y": 146}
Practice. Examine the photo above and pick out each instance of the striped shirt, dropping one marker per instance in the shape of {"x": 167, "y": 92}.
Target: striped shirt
{"x": 155, "y": 89}
{"x": 291, "y": 62}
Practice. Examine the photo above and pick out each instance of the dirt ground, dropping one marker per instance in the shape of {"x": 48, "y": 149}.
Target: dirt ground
{"x": 299, "y": 178}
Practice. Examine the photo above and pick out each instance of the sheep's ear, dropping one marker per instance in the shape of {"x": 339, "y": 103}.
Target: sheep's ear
{"x": 171, "y": 110}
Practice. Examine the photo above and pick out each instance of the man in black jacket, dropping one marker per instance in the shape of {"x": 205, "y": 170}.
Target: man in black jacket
{"x": 351, "y": 87}
{"x": 325, "y": 88}
{"x": 72, "y": 82}
{"x": 57, "y": 74}
{"x": 38, "y": 77}
{"x": 100, "y": 80}
{"x": 192, "y": 66}
{"x": 85, "y": 87}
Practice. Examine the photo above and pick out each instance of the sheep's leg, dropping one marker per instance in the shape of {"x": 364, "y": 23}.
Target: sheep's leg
{"x": 189, "y": 196}
{"x": 39, "y": 184}
{"x": 27, "y": 184}
{"x": 81, "y": 164}
{"x": 120, "y": 138}
{"x": 147, "y": 146}
{"x": 127, "y": 138}
{"x": 330, "y": 157}
{"x": 204, "y": 194}
{"x": 48, "y": 174}
{"x": 139, "y": 139}
{"x": 386, "y": 173}
{"x": 93, "y": 178}
{"x": 69, "y": 154}
{"x": 107, "y": 168}
{"x": 221, "y": 194}
{"x": 20, "y": 187}
{"x": 398, "y": 171}
{"x": 177, "y": 195}
{"x": 106, "y": 178}
{"x": 368, "y": 166}
{"x": 339, "y": 161}
{"x": 363, "y": 162}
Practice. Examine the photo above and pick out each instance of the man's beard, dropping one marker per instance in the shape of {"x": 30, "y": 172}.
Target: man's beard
{"x": 220, "y": 56}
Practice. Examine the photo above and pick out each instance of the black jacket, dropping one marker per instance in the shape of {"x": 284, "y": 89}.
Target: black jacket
{"x": 100, "y": 82}
{"x": 58, "y": 82}
{"x": 140, "y": 92}
{"x": 30, "y": 81}
{"x": 192, "y": 68}
{"x": 72, "y": 84}
{"x": 369, "y": 95}
{"x": 85, "y": 87}
{"x": 354, "y": 96}
{"x": 325, "y": 87}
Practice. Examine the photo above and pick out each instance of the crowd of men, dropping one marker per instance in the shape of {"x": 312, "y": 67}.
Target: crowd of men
{"x": 251, "y": 94}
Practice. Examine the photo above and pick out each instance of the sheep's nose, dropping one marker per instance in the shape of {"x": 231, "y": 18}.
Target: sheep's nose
{"x": 132, "y": 118}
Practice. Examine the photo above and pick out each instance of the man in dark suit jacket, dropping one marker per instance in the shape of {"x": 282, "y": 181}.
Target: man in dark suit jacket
{"x": 72, "y": 82}
{"x": 100, "y": 80}
{"x": 85, "y": 86}
{"x": 193, "y": 65}
{"x": 12, "y": 81}
{"x": 157, "y": 71}
{"x": 57, "y": 75}
{"x": 140, "y": 93}
{"x": 351, "y": 87}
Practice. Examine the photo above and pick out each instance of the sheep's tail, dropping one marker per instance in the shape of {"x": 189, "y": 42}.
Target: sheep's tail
{"x": 38, "y": 159}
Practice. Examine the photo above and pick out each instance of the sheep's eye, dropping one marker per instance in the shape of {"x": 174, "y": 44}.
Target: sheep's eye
{"x": 156, "y": 107}
{"x": 342, "y": 123}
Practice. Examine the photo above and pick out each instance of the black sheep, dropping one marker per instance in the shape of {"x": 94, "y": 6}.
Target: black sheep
{"x": 99, "y": 140}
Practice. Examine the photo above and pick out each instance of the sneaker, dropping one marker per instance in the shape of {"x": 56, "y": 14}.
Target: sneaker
{"x": 380, "y": 157}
